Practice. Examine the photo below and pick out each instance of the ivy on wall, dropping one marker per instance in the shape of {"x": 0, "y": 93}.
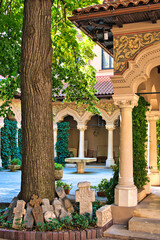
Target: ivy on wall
{"x": 5, "y": 144}
{"x": 20, "y": 141}
{"x": 62, "y": 142}
{"x": 9, "y": 148}
{"x": 139, "y": 143}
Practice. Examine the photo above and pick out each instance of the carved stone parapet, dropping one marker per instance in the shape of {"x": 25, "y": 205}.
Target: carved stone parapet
{"x": 126, "y": 101}
{"x": 104, "y": 215}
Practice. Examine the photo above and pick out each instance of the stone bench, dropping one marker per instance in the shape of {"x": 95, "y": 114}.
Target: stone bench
{"x": 80, "y": 161}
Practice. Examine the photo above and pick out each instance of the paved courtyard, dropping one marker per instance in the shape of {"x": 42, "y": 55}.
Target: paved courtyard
{"x": 10, "y": 181}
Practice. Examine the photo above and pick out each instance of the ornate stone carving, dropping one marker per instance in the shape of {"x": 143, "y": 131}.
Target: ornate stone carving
{"x": 85, "y": 197}
{"x": 108, "y": 107}
{"x": 103, "y": 215}
{"x": 126, "y": 47}
{"x": 79, "y": 109}
{"x": 57, "y": 108}
{"x": 126, "y": 101}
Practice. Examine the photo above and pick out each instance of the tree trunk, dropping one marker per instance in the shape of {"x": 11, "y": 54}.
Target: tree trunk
{"x": 36, "y": 102}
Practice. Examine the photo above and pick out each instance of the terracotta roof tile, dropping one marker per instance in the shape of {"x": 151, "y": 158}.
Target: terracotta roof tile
{"x": 104, "y": 86}
{"x": 113, "y": 4}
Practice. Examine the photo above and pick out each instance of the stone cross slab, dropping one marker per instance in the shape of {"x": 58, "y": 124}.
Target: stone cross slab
{"x": 46, "y": 205}
{"x": 85, "y": 197}
{"x": 18, "y": 211}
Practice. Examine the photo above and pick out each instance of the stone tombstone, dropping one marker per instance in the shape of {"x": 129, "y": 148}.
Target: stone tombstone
{"x": 57, "y": 204}
{"x": 49, "y": 216}
{"x": 60, "y": 192}
{"x": 65, "y": 201}
{"x": 18, "y": 211}
{"x": 28, "y": 218}
{"x": 46, "y": 205}
{"x": 68, "y": 205}
{"x": 37, "y": 209}
{"x": 104, "y": 215}
{"x": 85, "y": 197}
{"x": 64, "y": 214}
{"x": 9, "y": 212}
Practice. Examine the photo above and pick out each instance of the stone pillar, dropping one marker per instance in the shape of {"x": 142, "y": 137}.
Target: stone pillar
{"x": 81, "y": 128}
{"x": 110, "y": 160}
{"x": 55, "y": 138}
{"x": 126, "y": 191}
{"x": 154, "y": 175}
{"x": 1, "y": 125}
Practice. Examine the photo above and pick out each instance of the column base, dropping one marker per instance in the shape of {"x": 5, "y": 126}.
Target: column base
{"x": 125, "y": 196}
{"x": 109, "y": 162}
{"x": 147, "y": 187}
{"x": 154, "y": 178}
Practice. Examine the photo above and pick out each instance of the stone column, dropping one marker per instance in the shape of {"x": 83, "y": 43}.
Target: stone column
{"x": 126, "y": 191}
{"x": 110, "y": 160}
{"x": 81, "y": 128}
{"x": 1, "y": 125}
{"x": 154, "y": 175}
{"x": 55, "y": 138}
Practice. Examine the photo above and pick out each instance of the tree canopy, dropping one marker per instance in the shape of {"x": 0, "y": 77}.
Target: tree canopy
{"x": 72, "y": 51}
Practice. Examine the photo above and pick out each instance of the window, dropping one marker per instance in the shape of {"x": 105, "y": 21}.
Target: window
{"x": 107, "y": 60}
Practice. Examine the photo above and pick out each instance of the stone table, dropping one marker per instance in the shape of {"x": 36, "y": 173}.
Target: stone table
{"x": 80, "y": 161}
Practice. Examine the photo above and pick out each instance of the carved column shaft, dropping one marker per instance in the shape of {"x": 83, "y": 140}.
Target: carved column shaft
{"x": 110, "y": 160}
{"x": 81, "y": 140}
{"x": 126, "y": 191}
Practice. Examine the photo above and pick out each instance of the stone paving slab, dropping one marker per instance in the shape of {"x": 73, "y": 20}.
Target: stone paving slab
{"x": 121, "y": 232}
{"x": 10, "y": 181}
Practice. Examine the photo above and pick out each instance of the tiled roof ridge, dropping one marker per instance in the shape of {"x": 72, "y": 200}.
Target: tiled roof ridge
{"x": 113, "y": 4}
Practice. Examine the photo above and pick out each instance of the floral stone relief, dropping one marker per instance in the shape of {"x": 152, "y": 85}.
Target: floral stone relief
{"x": 108, "y": 107}
{"x": 126, "y": 47}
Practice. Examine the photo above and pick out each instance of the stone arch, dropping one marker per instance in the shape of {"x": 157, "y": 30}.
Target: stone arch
{"x": 110, "y": 118}
{"x": 67, "y": 111}
{"x": 139, "y": 69}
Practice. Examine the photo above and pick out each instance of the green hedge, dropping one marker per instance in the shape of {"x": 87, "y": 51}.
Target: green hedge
{"x": 62, "y": 142}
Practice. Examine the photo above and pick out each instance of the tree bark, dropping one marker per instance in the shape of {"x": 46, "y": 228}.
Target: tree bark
{"x": 36, "y": 102}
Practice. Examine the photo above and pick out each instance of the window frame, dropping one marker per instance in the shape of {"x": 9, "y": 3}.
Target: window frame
{"x": 110, "y": 62}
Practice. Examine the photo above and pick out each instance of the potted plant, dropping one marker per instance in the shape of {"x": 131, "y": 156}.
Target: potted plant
{"x": 58, "y": 171}
{"x": 101, "y": 188}
{"x": 15, "y": 164}
{"x": 67, "y": 187}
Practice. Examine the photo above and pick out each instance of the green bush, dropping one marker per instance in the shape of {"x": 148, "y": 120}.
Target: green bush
{"x": 16, "y": 161}
{"x": 64, "y": 185}
{"x": 62, "y": 142}
{"x": 58, "y": 166}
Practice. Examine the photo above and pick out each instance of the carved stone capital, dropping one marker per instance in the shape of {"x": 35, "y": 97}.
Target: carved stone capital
{"x": 110, "y": 127}
{"x": 126, "y": 101}
{"x": 81, "y": 127}
{"x": 153, "y": 115}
